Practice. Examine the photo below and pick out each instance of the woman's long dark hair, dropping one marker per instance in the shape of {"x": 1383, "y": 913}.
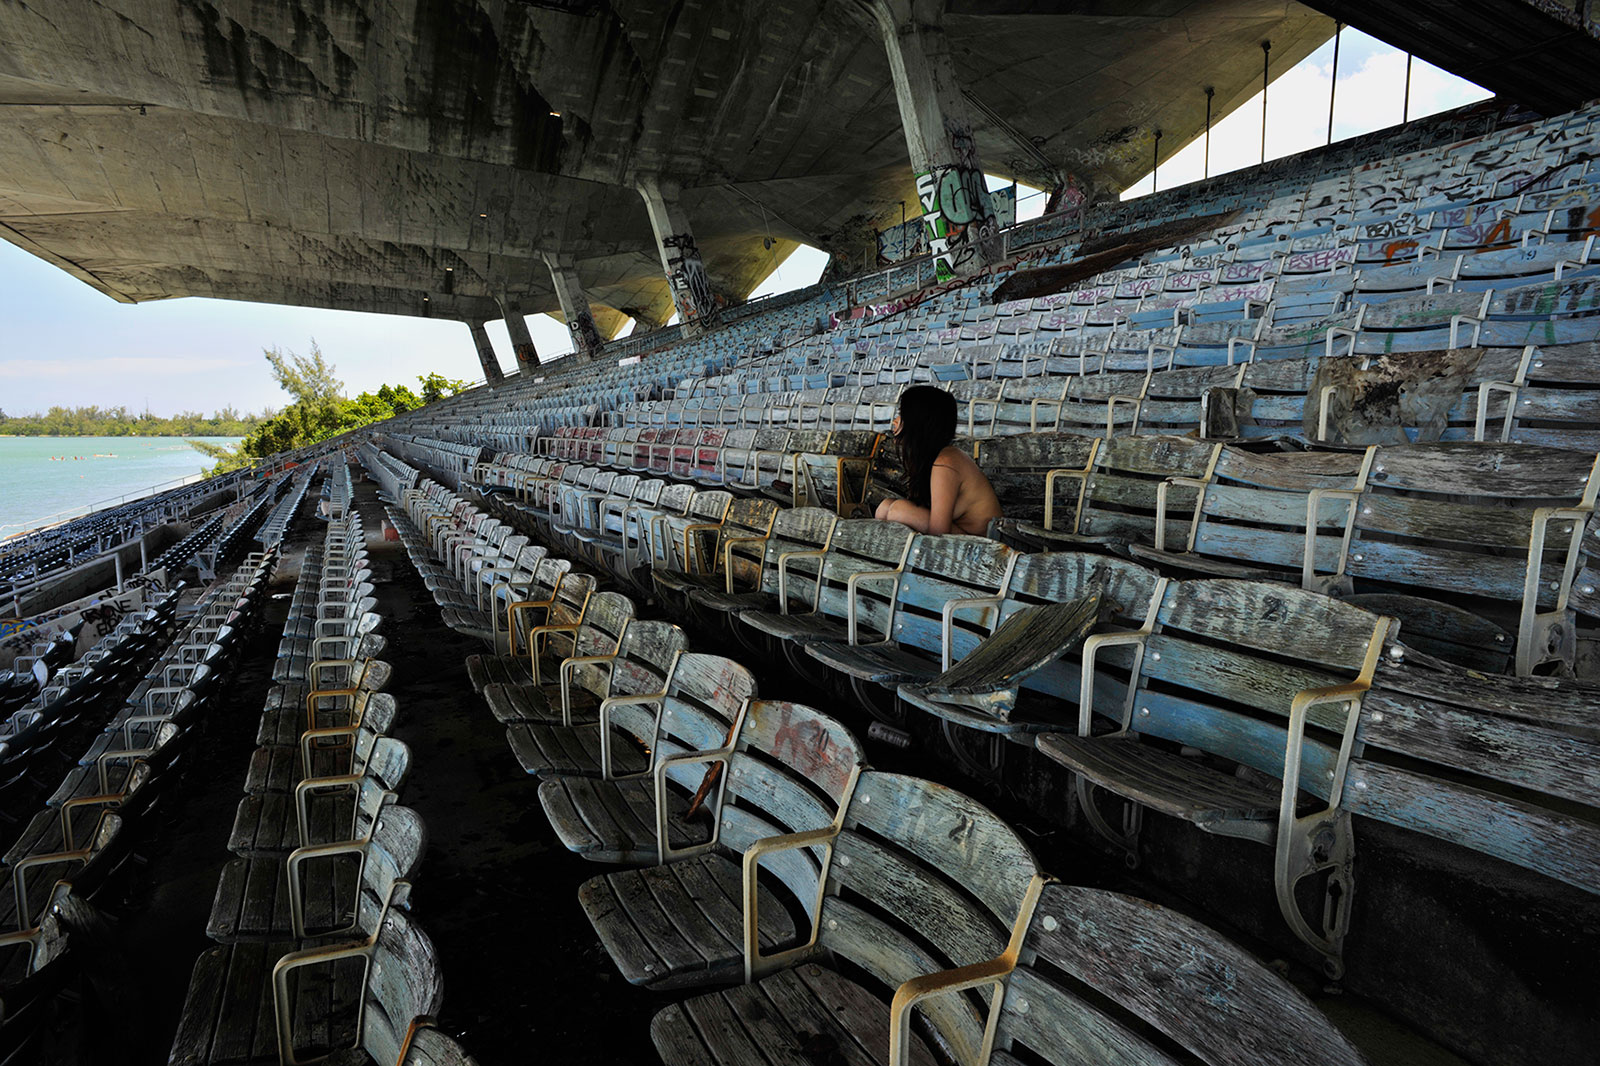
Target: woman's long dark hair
{"x": 927, "y": 424}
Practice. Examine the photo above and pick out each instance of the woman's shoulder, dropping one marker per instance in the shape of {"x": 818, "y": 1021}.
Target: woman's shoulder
{"x": 950, "y": 455}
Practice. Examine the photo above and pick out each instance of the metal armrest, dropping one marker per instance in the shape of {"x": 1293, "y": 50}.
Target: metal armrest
{"x": 304, "y": 788}
{"x": 851, "y": 586}
{"x": 699, "y": 556}
{"x": 310, "y": 735}
{"x": 665, "y": 852}
{"x": 1161, "y": 509}
{"x": 727, "y": 559}
{"x": 1050, "y": 479}
{"x": 755, "y": 964}
{"x": 569, "y": 667}
{"x": 783, "y": 577}
{"x": 1297, "y": 846}
{"x": 297, "y": 858}
{"x": 947, "y": 620}
{"x": 961, "y": 978}
{"x": 19, "y": 877}
{"x": 281, "y": 1005}
{"x": 604, "y": 723}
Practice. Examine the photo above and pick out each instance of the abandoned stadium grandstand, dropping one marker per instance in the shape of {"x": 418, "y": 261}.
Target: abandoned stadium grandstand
{"x": 1264, "y": 728}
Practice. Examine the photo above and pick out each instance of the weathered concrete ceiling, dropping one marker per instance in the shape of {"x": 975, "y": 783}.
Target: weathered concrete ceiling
{"x": 367, "y": 154}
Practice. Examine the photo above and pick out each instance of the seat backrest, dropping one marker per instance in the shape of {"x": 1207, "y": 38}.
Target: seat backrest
{"x": 546, "y": 576}
{"x": 675, "y": 498}
{"x": 704, "y": 699}
{"x": 792, "y": 771}
{"x": 952, "y": 566}
{"x": 793, "y": 529}
{"x": 646, "y": 657}
{"x": 1226, "y": 659}
{"x": 385, "y": 772}
{"x": 1119, "y": 502}
{"x": 1190, "y": 984}
{"x": 648, "y": 492}
{"x": 399, "y": 839}
{"x": 432, "y": 1047}
{"x": 859, "y": 544}
{"x": 404, "y": 984}
{"x": 922, "y": 879}
{"x": 709, "y": 506}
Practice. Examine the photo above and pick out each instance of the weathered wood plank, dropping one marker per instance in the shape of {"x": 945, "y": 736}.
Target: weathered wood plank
{"x": 1289, "y": 622}
{"x": 1553, "y": 843}
{"x": 1191, "y": 984}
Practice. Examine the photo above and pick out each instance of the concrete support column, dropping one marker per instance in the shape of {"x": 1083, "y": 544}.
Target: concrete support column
{"x": 963, "y": 231}
{"x": 586, "y": 338}
{"x": 521, "y": 339}
{"x": 680, "y": 257}
{"x": 486, "y": 356}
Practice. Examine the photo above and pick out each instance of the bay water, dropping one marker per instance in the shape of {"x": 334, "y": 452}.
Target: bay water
{"x": 41, "y": 477}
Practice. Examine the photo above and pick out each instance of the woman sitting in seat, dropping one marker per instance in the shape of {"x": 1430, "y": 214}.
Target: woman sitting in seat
{"x": 945, "y": 490}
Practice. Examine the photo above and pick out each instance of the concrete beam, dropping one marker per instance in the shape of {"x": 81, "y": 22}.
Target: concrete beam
{"x": 521, "y": 340}
{"x": 963, "y": 232}
{"x": 486, "y": 357}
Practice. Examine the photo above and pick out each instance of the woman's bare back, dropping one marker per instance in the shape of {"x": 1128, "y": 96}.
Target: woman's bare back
{"x": 976, "y": 503}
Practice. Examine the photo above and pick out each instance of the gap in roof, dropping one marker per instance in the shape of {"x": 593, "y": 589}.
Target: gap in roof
{"x": 1371, "y": 95}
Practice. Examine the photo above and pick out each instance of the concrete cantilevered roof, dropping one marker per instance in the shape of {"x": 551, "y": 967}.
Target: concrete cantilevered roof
{"x": 363, "y": 154}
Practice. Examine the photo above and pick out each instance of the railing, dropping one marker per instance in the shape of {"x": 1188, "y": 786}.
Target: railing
{"x": 70, "y": 513}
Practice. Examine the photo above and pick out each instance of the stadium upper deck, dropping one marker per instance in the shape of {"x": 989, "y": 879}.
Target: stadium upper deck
{"x": 1292, "y": 613}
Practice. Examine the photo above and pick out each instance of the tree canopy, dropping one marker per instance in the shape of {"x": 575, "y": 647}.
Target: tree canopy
{"x": 120, "y": 422}
{"x": 320, "y": 409}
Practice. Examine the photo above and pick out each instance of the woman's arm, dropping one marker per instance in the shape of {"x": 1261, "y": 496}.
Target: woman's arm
{"x": 944, "y": 485}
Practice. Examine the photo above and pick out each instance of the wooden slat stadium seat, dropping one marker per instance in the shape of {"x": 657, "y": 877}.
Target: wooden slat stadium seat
{"x": 917, "y": 879}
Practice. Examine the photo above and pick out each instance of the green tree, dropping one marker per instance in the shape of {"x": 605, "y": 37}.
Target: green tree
{"x": 437, "y": 386}
{"x": 320, "y": 410}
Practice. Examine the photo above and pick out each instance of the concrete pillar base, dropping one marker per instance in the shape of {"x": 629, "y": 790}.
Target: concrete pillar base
{"x": 586, "y": 339}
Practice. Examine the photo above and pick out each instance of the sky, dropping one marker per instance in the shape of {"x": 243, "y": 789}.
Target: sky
{"x": 62, "y": 342}
{"x": 1371, "y": 95}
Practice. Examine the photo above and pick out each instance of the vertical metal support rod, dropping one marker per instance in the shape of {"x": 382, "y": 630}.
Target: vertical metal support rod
{"x": 1266, "y": 66}
{"x": 1155, "y": 161}
{"x": 1333, "y": 83}
{"x": 117, "y": 555}
{"x": 1211, "y": 90}
{"x": 1405, "y": 111}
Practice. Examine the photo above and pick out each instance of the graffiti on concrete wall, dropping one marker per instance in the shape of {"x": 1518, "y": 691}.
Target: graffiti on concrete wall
{"x": 586, "y": 336}
{"x": 909, "y": 240}
{"x": 953, "y": 221}
{"x": 99, "y": 614}
{"x": 686, "y": 273}
{"x": 962, "y": 230}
